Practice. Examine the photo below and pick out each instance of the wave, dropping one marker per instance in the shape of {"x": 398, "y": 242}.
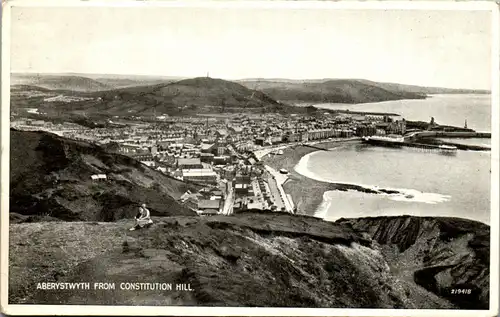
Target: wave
{"x": 322, "y": 210}
{"x": 397, "y": 194}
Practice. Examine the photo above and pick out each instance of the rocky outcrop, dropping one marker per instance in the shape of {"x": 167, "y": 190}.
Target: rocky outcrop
{"x": 448, "y": 256}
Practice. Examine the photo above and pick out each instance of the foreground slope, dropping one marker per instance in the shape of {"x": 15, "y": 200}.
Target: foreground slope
{"x": 249, "y": 259}
{"x": 51, "y": 178}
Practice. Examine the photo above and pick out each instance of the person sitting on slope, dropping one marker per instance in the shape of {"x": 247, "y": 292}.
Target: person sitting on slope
{"x": 143, "y": 218}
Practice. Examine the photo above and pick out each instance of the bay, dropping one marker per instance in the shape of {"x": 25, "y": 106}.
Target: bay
{"x": 430, "y": 184}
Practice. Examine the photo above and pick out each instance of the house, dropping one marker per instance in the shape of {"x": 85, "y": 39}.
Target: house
{"x": 206, "y": 157}
{"x": 149, "y": 163}
{"x": 221, "y": 160}
{"x": 200, "y": 176}
{"x": 142, "y": 157}
{"x": 206, "y": 147}
{"x": 162, "y": 169}
{"x": 97, "y": 177}
{"x": 209, "y": 212}
{"x": 189, "y": 163}
{"x": 236, "y": 129}
{"x": 153, "y": 150}
{"x": 260, "y": 140}
{"x": 244, "y": 178}
{"x": 241, "y": 189}
{"x": 222, "y": 132}
{"x": 209, "y": 206}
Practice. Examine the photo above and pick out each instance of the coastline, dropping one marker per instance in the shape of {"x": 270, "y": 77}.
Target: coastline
{"x": 307, "y": 194}
{"x": 313, "y": 195}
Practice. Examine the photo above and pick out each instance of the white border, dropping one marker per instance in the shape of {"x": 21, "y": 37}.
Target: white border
{"x": 5, "y": 155}
{"x": 495, "y": 162}
{"x": 233, "y": 311}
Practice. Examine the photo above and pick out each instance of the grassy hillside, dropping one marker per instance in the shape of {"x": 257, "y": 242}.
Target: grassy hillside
{"x": 50, "y": 179}
{"x": 185, "y": 97}
{"x": 249, "y": 259}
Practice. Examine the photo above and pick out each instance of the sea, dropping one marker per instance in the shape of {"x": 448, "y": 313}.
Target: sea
{"x": 429, "y": 184}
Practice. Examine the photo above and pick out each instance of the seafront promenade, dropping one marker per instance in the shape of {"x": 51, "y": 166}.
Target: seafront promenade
{"x": 276, "y": 185}
{"x": 297, "y": 196}
{"x": 268, "y": 150}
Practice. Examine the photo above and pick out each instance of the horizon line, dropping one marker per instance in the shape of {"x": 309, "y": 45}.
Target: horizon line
{"x": 242, "y": 79}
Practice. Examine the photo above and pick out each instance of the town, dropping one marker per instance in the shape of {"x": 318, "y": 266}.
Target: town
{"x": 221, "y": 153}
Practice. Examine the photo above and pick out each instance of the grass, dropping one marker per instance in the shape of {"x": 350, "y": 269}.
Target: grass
{"x": 54, "y": 249}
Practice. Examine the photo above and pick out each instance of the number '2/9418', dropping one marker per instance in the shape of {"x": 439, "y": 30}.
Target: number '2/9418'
{"x": 456, "y": 291}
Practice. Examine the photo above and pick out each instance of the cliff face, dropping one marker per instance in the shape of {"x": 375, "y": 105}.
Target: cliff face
{"x": 50, "y": 179}
{"x": 442, "y": 255}
{"x": 249, "y": 259}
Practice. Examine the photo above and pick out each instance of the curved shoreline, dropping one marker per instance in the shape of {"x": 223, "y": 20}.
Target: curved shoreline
{"x": 399, "y": 194}
{"x": 310, "y": 192}
{"x": 307, "y": 193}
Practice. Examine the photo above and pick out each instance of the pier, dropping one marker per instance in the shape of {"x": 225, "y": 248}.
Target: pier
{"x": 429, "y": 147}
{"x": 443, "y": 134}
{"x": 399, "y": 142}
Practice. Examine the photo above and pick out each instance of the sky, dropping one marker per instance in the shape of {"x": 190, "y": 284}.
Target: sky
{"x": 421, "y": 47}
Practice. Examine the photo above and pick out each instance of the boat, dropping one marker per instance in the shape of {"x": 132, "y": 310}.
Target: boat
{"x": 283, "y": 171}
{"x": 447, "y": 149}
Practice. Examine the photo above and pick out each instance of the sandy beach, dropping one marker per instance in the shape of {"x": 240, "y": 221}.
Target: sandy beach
{"x": 307, "y": 194}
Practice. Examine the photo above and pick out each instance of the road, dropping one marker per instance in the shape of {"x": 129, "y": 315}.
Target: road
{"x": 280, "y": 180}
{"x": 229, "y": 201}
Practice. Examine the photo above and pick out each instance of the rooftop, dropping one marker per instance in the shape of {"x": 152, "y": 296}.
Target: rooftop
{"x": 208, "y": 204}
{"x": 188, "y": 161}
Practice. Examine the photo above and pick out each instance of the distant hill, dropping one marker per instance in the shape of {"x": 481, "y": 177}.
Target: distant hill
{"x": 50, "y": 178}
{"x": 145, "y": 95}
{"x": 117, "y": 83}
{"x": 21, "y": 88}
{"x": 59, "y": 82}
{"x": 185, "y": 97}
{"x": 425, "y": 90}
{"x": 334, "y": 91}
{"x": 87, "y": 82}
{"x": 125, "y": 81}
{"x": 344, "y": 90}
